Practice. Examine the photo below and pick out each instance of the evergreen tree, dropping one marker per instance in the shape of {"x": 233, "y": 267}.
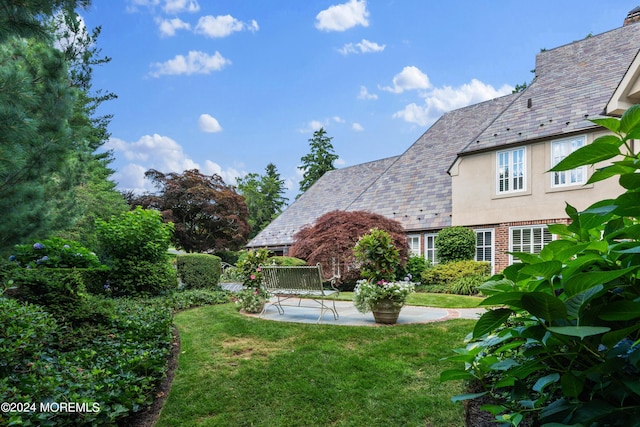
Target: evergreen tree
{"x": 263, "y": 196}
{"x": 319, "y": 161}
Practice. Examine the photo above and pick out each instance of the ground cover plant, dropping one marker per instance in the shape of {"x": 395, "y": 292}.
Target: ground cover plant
{"x": 564, "y": 347}
{"x": 238, "y": 370}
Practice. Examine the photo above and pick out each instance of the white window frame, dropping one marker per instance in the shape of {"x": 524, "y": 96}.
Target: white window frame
{"x": 483, "y": 247}
{"x": 559, "y": 150}
{"x": 534, "y": 245}
{"x": 413, "y": 240}
{"x": 430, "y": 250}
{"x": 511, "y": 171}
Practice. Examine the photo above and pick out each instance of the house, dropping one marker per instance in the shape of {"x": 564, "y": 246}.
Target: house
{"x": 484, "y": 166}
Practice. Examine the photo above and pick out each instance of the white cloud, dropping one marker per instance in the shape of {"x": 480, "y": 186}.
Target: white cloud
{"x": 177, "y": 6}
{"x": 209, "y": 124}
{"x": 410, "y": 78}
{"x": 161, "y": 153}
{"x": 168, "y": 27}
{"x": 446, "y": 98}
{"x": 223, "y": 25}
{"x": 341, "y": 17}
{"x": 357, "y": 127}
{"x": 194, "y": 63}
{"x": 365, "y": 46}
{"x": 364, "y": 94}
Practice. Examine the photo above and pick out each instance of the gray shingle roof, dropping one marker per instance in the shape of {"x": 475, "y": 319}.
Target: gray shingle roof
{"x": 572, "y": 82}
{"x": 336, "y": 190}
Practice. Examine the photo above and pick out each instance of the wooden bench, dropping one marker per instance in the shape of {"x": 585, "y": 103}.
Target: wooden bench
{"x": 285, "y": 283}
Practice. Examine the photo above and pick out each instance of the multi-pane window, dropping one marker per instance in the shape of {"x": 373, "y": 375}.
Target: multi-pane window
{"x": 511, "y": 170}
{"x": 430, "y": 252}
{"x": 484, "y": 245}
{"x": 530, "y": 239}
{"x": 414, "y": 244}
{"x": 560, "y": 150}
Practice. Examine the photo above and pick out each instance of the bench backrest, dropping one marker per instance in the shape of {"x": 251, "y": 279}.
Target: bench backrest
{"x": 306, "y": 278}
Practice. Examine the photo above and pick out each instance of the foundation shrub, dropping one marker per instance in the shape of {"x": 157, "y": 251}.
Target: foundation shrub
{"x": 413, "y": 269}
{"x": 455, "y": 244}
{"x": 449, "y": 273}
{"x": 141, "y": 278}
{"x": 199, "y": 271}
{"x": 467, "y": 285}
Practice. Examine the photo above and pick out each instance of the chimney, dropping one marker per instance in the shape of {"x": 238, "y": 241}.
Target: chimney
{"x": 632, "y": 17}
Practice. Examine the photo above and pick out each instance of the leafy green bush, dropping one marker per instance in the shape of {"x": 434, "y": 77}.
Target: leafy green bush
{"x": 455, "y": 244}
{"x": 231, "y": 274}
{"x": 563, "y": 348}
{"x": 286, "y": 261}
{"x": 230, "y": 257}
{"x": 446, "y": 274}
{"x": 188, "y": 298}
{"x": 141, "y": 278}
{"x": 249, "y": 267}
{"x": 54, "y": 253}
{"x": 135, "y": 246}
{"x": 199, "y": 271}
{"x": 138, "y": 235}
{"x": 378, "y": 256}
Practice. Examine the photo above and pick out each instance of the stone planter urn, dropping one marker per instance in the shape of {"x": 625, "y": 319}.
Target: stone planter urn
{"x": 386, "y": 312}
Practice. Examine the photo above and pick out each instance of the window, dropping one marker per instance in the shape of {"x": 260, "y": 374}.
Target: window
{"x": 529, "y": 239}
{"x": 430, "y": 252}
{"x": 560, "y": 150}
{"x": 510, "y": 170}
{"x": 414, "y": 245}
{"x": 484, "y": 245}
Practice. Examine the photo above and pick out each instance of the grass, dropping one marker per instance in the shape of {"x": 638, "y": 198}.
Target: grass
{"x": 243, "y": 371}
{"x": 431, "y": 300}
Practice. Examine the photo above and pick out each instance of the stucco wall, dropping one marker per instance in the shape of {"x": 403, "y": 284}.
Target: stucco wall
{"x": 476, "y": 202}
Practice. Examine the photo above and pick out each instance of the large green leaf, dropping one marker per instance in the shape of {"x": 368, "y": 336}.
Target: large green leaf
{"x": 587, "y": 155}
{"x": 630, "y": 119}
{"x": 455, "y": 374}
{"x": 546, "y": 269}
{"x": 545, "y": 381}
{"x": 491, "y": 320}
{"x": 467, "y": 396}
{"x": 607, "y": 172}
{"x": 610, "y": 123}
{"x": 628, "y": 204}
{"x": 576, "y": 302}
{"x": 630, "y": 181}
{"x": 582, "y": 281}
{"x": 513, "y": 299}
{"x": 572, "y": 386}
{"x": 579, "y": 331}
{"x": 544, "y": 306}
{"x": 620, "y": 310}
{"x": 580, "y": 263}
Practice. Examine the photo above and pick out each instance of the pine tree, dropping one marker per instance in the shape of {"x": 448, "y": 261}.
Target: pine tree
{"x": 319, "y": 161}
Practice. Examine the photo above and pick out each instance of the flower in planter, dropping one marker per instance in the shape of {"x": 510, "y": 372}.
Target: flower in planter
{"x": 367, "y": 294}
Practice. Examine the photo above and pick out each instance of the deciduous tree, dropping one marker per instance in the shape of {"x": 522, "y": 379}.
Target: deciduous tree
{"x": 207, "y": 213}
{"x": 331, "y": 239}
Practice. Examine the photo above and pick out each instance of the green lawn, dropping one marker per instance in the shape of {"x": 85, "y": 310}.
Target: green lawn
{"x": 236, "y": 370}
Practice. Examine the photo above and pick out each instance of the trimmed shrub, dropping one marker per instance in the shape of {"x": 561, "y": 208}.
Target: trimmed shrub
{"x": 141, "y": 278}
{"x": 288, "y": 261}
{"x": 455, "y": 244}
{"x": 230, "y": 257}
{"x": 446, "y": 274}
{"x": 199, "y": 271}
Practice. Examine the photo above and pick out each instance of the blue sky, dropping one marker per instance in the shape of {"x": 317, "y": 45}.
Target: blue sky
{"x": 228, "y": 86}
